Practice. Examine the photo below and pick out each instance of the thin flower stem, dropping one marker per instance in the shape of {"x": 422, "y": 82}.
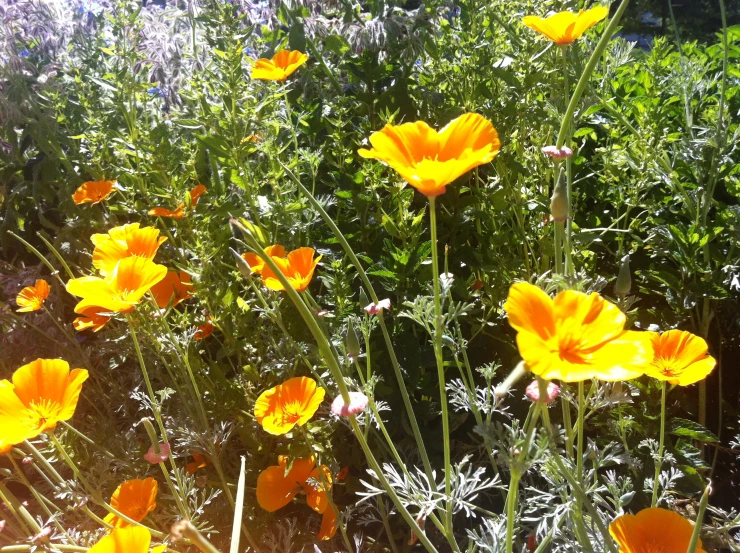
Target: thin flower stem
{"x": 88, "y": 440}
{"x": 659, "y": 461}
{"x": 568, "y": 171}
{"x": 39, "y": 499}
{"x": 694, "y": 542}
{"x": 581, "y": 412}
{"x": 517, "y": 469}
{"x": 587, "y": 71}
{"x": 381, "y": 320}
{"x": 437, "y": 341}
{"x": 18, "y": 511}
{"x": 38, "y": 254}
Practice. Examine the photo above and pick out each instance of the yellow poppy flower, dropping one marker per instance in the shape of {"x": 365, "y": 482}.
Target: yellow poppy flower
{"x": 133, "y": 539}
{"x": 41, "y": 394}
{"x": 92, "y": 192}
{"x": 31, "y": 298}
{"x": 280, "y": 67}
{"x": 174, "y": 285}
{"x": 275, "y": 490}
{"x": 575, "y": 337}
{"x": 122, "y": 290}
{"x": 291, "y": 403}
{"x": 298, "y": 268}
{"x": 124, "y": 241}
{"x": 255, "y": 262}
{"x": 680, "y": 358}
{"x": 429, "y": 160}
{"x": 653, "y": 530}
{"x": 566, "y": 27}
{"x": 135, "y": 499}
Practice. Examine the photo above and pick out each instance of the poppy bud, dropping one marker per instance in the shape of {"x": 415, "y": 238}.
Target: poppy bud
{"x": 624, "y": 280}
{"x": 152, "y": 434}
{"x": 357, "y": 404}
{"x": 363, "y": 297}
{"x": 353, "y": 342}
{"x": 559, "y": 202}
{"x": 241, "y": 264}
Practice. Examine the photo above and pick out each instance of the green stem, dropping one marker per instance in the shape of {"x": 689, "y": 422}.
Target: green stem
{"x": 437, "y": 340}
{"x": 568, "y": 170}
{"x": 659, "y": 461}
{"x": 381, "y": 320}
{"x": 518, "y": 468}
{"x": 587, "y": 71}
{"x": 699, "y": 520}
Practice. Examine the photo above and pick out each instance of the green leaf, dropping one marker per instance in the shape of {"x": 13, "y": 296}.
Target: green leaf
{"x": 690, "y": 429}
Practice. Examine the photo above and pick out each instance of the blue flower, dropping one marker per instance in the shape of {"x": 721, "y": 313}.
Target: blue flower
{"x": 24, "y": 53}
{"x": 156, "y": 91}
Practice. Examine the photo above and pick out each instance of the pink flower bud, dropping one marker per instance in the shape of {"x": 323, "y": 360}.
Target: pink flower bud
{"x": 357, "y": 404}
{"x": 27, "y": 461}
{"x": 155, "y": 458}
{"x": 45, "y": 533}
{"x": 533, "y": 391}
{"x": 557, "y": 153}
{"x": 376, "y": 308}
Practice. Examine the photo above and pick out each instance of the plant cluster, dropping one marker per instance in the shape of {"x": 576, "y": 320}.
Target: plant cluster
{"x": 290, "y": 276}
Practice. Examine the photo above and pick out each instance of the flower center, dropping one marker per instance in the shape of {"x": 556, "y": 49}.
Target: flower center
{"x": 42, "y": 411}
{"x": 292, "y": 412}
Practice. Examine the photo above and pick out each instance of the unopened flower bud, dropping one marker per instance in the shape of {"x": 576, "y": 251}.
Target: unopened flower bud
{"x": 557, "y": 153}
{"x": 151, "y": 433}
{"x": 353, "y": 342}
{"x": 357, "y": 403}
{"x": 559, "y": 201}
{"x": 161, "y": 456}
{"x": 27, "y": 461}
{"x": 363, "y": 297}
{"x": 241, "y": 264}
{"x": 624, "y": 280}
{"x": 45, "y": 533}
{"x": 533, "y": 391}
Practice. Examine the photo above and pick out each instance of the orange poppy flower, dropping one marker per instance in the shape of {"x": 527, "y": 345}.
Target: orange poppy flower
{"x": 173, "y": 285}
{"x": 93, "y": 318}
{"x": 429, "y": 160}
{"x": 680, "y": 358}
{"x": 298, "y": 268}
{"x": 179, "y": 212}
{"x": 122, "y": 290}
{"x": 41, "y": 394}
{"x": 255, "y": 262}
{"x": 653, "y": 530}
{"x": 203, "y": 331}
{"x": 575, "y": 337}
{"x": 124, "y": 241}
{"x": 92, "y": 192}
{"x": 200, "y": 461}
{"x": 566, "y": 27}
{"x": 291, "y": 403}
{"x": 31, "y": 298}
{"x": 196, "y": 193}
{"x": 280, "y": 67}
{"x": 329, "y": 525}
{"x": 135, "y": 499}
{"x": 132, "y": 539}
{"x": 275, "y": 489}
